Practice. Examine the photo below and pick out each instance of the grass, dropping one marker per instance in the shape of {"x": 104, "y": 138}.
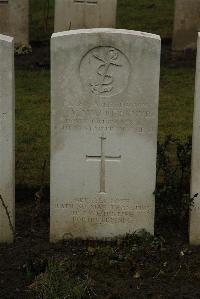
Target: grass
{"x": 41, "y": 19}
{"x": 33, "y": 87}
{"x": 58, "y": 281}
{"x": 81, "y": 277}
{"x": 32, "y": 126}
{"x": 176, "y": 102}
{"x": 155, "y": 16}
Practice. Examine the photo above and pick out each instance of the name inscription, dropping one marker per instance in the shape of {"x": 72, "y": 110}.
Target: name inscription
{"x": 107, "y": 117}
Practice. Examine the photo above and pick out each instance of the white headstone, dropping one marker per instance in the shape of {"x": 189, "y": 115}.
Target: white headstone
{"x": 14, "y": 20}
{"x": 79, "y": 14}
{"x": 186, "y": 24}
{"x": 105, "y": 86}
{"x": 7, "y": 162}
{"x": 195, "y": 181}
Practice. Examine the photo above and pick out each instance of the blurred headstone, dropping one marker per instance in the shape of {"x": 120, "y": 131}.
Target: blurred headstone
{"x": 79, "y": 14}
{"x": 14, "y": 20}
{"x": 186, "y": 24}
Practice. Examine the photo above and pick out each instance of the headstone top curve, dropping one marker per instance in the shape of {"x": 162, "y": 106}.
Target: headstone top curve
{"x": 6, "y": 38}
{"x": 105, "y": 30}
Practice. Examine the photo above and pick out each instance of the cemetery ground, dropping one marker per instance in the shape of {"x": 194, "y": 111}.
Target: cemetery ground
{"x": 136, "y": 266}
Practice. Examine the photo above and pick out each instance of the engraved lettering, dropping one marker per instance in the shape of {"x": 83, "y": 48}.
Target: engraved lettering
{"x": 86, "y": 1}
{"x": 104, "y": 211}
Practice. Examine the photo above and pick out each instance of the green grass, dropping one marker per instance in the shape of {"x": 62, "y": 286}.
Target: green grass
{"x": 59, "y": 281}
{"x": 32, "y": 126}
{"x": 176, "y": 102}
{"x": 41, "y": 19}
{"x": 155, "y": 16}
{"x": 33, "y": 96}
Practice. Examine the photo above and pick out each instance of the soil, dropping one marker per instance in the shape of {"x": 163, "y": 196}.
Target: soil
{"x": 170, "y": 271}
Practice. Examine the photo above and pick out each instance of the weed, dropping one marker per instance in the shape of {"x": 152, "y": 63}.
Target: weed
{"x": 58, "y": 282}
{"x": 173, "y": 180}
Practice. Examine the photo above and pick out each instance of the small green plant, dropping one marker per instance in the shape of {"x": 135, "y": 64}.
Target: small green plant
{"x": 59, "y": 282}
{"x": 173, "y": 180}
{"x": 23, "y": 49}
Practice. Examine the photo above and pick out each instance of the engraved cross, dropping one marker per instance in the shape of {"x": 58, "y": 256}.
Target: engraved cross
{"x": 103, "y": 159}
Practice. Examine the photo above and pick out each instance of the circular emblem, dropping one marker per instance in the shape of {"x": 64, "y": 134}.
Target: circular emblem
{"x": 104, "y": 71}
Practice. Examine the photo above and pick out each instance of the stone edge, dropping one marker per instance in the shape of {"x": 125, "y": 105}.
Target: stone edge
{"x": 6, "y": 38}
{"x": 106, "y": 30}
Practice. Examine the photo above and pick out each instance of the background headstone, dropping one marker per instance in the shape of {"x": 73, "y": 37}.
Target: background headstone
{"x": 7, "y": 161}
{"x": 14, "y": 20}
{"x": 195, "y": 181}
{"x": 186, "y": 24}
{"x": 104, "y": 132}
{"x": 4, "y": 16}
{"x": 79, "y": 14}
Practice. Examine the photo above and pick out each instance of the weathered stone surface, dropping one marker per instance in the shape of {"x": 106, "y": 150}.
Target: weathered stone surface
{"x": 186, "y": 24}
{"x": 4, "y": 17}
{"x": 195, "y": 181}
{"x": 79, "y": 14}
{"x": 14, "y": 20}
{"x": 19, "y": 21}
{"x": 105, "y": 85}
{"x": 7, "y": 184}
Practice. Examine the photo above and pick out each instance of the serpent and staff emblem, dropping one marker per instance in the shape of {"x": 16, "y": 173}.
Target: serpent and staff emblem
{"x": 105, "y": 71}
{"x": 105, "y": 83}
